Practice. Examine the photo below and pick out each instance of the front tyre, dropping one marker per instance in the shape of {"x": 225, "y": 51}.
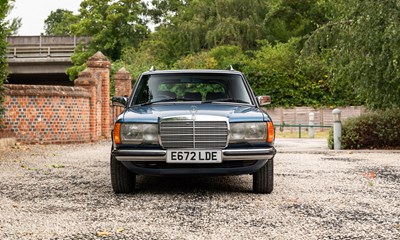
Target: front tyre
{"x": 263, "y": 179}
{"x": 122, "y": 180}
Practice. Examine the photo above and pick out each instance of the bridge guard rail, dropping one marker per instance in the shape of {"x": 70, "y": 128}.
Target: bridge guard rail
{"x": 40, "y": 52}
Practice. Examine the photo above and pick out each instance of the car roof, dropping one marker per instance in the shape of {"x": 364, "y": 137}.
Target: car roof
{"x": 192, "y": 71}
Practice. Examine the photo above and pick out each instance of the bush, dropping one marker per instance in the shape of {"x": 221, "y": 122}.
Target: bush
{"x": 375, "y": 130}
{"x": 330, "y": 139}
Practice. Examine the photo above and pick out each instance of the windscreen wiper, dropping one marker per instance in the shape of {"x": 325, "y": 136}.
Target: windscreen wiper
{"x": 165, "y": 100}
{"x": 226, "y": 100}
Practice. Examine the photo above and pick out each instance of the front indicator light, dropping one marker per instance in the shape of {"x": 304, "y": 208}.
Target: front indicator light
{"x": 271, "y": 132}
{"x": 117, "y": 133}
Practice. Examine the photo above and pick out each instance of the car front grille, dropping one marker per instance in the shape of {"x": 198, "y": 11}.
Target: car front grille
{"x": 194, "y": 134}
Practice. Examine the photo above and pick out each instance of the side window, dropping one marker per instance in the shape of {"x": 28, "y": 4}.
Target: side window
{"x": 144, "y": 94}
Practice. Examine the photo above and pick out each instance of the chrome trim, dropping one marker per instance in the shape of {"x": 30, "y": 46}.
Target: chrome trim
{"x": 139, "y": 141}
{"x": 142, "y": 152}
{"x": 232, "y": 152}
{"x": 196, "y": 118}
{"x": 141, "y": 155}
{"x": 141, "y": 158}
{"x": 227, "y": 155}
{"x": 247, "y": 154}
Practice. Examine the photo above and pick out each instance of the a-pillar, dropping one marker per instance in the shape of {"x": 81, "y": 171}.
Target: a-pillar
{"x": 123, "y": 83}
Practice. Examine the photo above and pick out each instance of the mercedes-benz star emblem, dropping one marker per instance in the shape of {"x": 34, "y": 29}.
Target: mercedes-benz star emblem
{"x": 193, "y": 111}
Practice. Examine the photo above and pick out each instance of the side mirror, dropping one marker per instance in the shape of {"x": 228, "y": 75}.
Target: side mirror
{"x": 119, "y": 101}
{"x": 264, "y": 100}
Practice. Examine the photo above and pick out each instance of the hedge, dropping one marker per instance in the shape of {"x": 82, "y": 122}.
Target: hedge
{"x": 373, "y": 130}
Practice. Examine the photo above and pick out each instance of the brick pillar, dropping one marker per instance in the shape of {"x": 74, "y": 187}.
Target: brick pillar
{"x": 100, "y": 67}
{"x": 123, "y": 83}
{"x": 96, "y": 78}
{"x": 86, "y": 80}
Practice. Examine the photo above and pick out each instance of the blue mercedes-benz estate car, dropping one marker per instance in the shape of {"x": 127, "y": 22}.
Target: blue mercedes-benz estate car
{"x": 187, "y": 122}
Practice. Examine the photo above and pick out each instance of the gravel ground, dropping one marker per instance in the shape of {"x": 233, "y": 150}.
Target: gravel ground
{"x": 64, "y": 192}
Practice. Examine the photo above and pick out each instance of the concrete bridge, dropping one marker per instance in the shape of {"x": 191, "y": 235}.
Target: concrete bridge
{"x": 41, "y": 59}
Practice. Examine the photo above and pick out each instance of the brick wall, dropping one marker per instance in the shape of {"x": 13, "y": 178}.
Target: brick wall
{"x": 47, "y": 114}
{"x": 60, "y": 114}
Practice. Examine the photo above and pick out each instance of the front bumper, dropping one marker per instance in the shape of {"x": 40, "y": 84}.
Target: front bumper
{"x": 247, "y": 154}
{"x": 234, "y": 162}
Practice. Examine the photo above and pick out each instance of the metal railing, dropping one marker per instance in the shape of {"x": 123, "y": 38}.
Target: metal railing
{"x": 44, "y": 46}
{"x": 40, "y": 52}
{"x": 299, "y": 127}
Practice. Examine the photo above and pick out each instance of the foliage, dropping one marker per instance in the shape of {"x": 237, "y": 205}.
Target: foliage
{"x": 311, "y": 52}
{"x": 287, "y": 19}
{"x": 59, "y": 22}
{"x": 275, "y": 70}
{"x": 113, "y": 26}
{"x": 3, "y": 49}
{"x": 5, "y": 28}
{"x": 220, "y": 57}
{"x": 138, "y": 60}
{"x": 272, "y": 71}
{"x": 188, "y": 27}
{"x": 202, "y": 34}
{"x": 198, "y": 61}
{"x": 362, "y": 49}
{"x": 12, "y": 25}
{"x": 162, "y": 11}
{"x": 379, "y": 129}
{"x": 229, "y": 55}
{"x": 331, "y": 143}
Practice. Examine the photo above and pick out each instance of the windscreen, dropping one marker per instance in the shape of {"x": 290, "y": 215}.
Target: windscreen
{"x": 203, "y": 87}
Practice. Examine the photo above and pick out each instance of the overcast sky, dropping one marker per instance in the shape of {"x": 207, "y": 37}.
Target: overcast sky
{"x": 34, "y": 12}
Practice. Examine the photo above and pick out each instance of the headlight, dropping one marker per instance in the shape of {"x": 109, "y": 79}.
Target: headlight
{"x": 138, "y": 133}
{"x": 248, "y": 132}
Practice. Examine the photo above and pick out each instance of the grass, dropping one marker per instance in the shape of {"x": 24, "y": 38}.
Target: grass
{"x": 304, "y": 134}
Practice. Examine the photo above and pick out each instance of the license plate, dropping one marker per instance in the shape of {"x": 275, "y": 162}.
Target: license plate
{"x": 194, "y": 156}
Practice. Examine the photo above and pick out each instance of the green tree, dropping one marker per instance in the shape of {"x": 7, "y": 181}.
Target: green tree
{"x": 288, "y": 18}
{"x": 59, "y": 22}
{"x": 113, "y": 25}
{"x": 14, "y": 24}
{"x": 162, "y": 11}
{"x": 5, "y": 30}
{"x": 361, "y": 47}
{"x": 221, "y": 57}
{"x": 275, "y": 70}
{"x": 272, "y": 71}
{"x": 191, "y": 26}
{"x": 138, "y": 60}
